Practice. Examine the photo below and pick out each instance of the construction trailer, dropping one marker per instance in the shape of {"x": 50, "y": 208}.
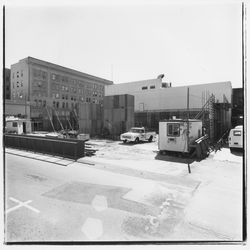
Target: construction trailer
{"x": 173, "y": 134}
{"x": 17, "y": 125}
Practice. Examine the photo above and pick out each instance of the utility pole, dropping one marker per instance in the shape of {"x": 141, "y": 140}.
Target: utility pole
{"x": 188, "y": 119}
{"x": 189, "y": 169}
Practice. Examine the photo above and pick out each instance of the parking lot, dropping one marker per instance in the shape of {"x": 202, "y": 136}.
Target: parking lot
{"x": 126, "y": 192}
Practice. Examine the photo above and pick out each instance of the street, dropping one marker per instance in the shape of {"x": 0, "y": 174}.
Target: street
{"x": 123, "y": 193}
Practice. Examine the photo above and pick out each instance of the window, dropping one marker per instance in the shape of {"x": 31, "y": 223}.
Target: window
{"x": 67, "y": 105}
{"x": 57, "y": 104}
{"x": 54, "y": 104}
{"x": 14, "y": 124}
{"x": 144, "y": 88}
{"x": 152, "y": 87}
{"x": 21, "y": 83}
{"x": 63, "y": 105}
{"x": 173, "y": 129}
{"x": 44, "y": 103}
{"x": 164, "y": 85}
{"x": 237, "y": 133}
{"x": 53, "y": 76}
{"x": 57, "y": 95}
{"x": 21, "y": 72}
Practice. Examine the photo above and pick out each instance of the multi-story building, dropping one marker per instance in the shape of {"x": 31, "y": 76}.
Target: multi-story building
{"x": 53, "y": 90}
{"x": 7, "y": 92}
{"x": 237, "y": 106}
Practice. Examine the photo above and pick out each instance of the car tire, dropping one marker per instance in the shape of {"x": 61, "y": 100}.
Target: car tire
{"x": 124, "y": 141}
{"x": 150, "y": 138}
{"x": 137, "y": 140}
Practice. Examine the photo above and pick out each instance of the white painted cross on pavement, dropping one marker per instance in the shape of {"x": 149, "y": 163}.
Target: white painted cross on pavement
{"x": 21, "y": 204}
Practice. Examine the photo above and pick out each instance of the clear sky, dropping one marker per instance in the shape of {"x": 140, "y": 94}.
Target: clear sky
{"x": 192, "y": 43}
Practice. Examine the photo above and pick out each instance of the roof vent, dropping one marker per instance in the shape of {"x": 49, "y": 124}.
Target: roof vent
{"x": 160, "y": 76}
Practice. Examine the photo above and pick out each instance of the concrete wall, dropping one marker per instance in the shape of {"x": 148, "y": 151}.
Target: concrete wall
{"x": 174, "y": 98}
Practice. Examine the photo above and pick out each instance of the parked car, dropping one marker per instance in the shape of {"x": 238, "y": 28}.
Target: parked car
{"x": 235, "y": 138}
{"x": 137, "y": 134}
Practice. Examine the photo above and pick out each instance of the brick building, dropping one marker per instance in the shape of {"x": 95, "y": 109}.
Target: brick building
{"x": 54, "y": 92}
{"x": 7, "y": 91}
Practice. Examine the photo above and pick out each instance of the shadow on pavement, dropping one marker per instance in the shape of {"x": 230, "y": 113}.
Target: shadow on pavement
{"x": 133, "y": 143}
{"x": 174, "y": 158}
{"x": 237, "y": 151}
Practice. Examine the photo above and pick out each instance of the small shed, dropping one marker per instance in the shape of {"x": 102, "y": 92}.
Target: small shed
{"x": 173, "y": 134}
{"x": 17, "y": 125}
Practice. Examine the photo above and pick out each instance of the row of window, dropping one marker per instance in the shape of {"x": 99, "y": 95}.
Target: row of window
{"x": 163, "y": 85}
{"x": 64, "y": 105}
{"x": 40, "y": 103}
{"x": 18, "y": 84}
{"x": 146, "y": 87}
{"x": 17, "y": 95}
{"x": 65, "y": 79}
{"x": 38, "y": 73}
{"x": 17, "y": 74}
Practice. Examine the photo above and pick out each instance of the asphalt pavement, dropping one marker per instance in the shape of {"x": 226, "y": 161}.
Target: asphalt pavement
{"x": 79, "y": 202}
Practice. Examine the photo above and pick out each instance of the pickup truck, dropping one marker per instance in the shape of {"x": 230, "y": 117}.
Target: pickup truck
{"x": 138, "y": 134}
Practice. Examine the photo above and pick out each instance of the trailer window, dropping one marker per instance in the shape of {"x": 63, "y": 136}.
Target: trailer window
{"x": 173, "y": 129}
{"x": 14, "y": 124}
{"x": 237, "y": 133}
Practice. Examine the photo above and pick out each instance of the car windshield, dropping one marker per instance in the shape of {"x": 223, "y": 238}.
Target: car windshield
{"x": 136, "y": 130}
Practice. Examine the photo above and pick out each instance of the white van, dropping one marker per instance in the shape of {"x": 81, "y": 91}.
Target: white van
{"x": 235, "y": 138}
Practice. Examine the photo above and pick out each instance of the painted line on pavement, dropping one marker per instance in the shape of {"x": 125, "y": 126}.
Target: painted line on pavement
{"x": 21, "y": 204}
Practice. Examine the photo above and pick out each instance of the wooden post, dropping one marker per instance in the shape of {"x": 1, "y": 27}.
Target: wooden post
{"x": 188, "y": 119}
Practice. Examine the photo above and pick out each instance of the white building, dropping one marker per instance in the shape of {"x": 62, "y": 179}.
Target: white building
{"x": 156, "y": 100}
{"x": 154, "y": 95}
{"x": 17, "y": 125}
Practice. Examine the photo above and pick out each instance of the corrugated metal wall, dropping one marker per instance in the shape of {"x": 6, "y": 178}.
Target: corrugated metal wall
{"x": 118, "y": 114}
{"x": 90, "y": 118}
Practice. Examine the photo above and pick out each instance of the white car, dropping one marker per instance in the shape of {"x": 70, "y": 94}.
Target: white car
{"x": 138, "y": 134}
{"x": 235, "y": 138}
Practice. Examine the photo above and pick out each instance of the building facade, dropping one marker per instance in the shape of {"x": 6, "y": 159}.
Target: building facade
{"x": 7, "y": 87}
{"x": 17, "y": 108}
{"x": 53, "y": 90}
{"x": 156, "y": 101}
{"x": 237, "y": 106}
{"x": 154, "y": 95}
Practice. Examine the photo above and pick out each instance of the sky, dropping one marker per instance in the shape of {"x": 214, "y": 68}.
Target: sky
{"x": 189, "y": 42}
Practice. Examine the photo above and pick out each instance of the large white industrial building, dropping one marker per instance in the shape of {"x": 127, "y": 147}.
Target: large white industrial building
{"x": 155, "y": 95}
{"x": 156, "y": 100}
